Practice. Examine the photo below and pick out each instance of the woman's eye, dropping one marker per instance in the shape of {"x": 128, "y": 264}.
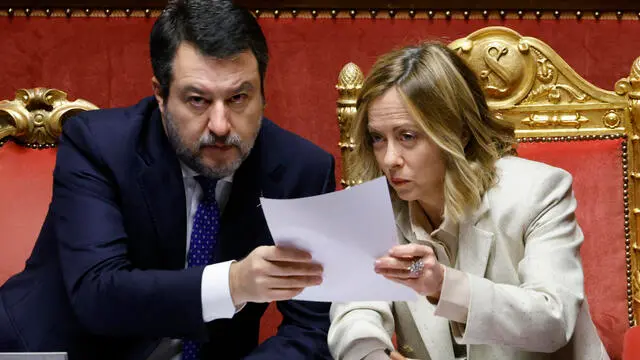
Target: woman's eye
{"x": 375, "y": 138}
{"x": 407, "y": 136}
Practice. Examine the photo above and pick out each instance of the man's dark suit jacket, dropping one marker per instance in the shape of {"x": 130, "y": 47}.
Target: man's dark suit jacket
{"x": 106, "y": 279}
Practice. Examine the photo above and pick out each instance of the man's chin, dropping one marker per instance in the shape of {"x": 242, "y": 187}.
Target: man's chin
{"x": 219, "y": 169}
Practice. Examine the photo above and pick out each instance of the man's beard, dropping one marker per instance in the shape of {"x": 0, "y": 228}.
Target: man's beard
{"x": 191, "y": 156}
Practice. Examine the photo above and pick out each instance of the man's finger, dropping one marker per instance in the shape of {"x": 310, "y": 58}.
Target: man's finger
{"x": 283, "y": 294}
{"x": 276, "y": 253}
{"x": 294, "y": 282}
{"x": 278, "y": 268}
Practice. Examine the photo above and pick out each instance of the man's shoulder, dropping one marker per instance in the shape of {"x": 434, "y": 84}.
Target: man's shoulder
{"x": 114, "y": 120}
{"x": 284, "y": 143}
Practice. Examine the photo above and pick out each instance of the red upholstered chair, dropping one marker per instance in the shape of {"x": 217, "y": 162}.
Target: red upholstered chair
{"x": 563, "y": 120}
{"x": 29, "y": 129}
{"x": 631, "y": 346}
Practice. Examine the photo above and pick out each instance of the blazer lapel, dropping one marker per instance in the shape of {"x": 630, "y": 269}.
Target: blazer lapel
{"x": 434, "y": 330}
{"x": 474, "y": 243}
{"x": 161, "y": 185}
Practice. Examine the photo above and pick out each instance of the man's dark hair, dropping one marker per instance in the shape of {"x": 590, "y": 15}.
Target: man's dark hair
{"x": 217, "y": 28}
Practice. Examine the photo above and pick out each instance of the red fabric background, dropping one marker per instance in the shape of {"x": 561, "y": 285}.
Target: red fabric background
{"x": 106, "y": 62}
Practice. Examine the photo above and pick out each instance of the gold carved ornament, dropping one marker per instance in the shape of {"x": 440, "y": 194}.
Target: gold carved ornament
{"x": 529, "y": 84}
{"x": 34, "y": 118}
{"x": 630, "y": 87}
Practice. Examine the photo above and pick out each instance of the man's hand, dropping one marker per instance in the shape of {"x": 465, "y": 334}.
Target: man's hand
{"x": 271, "y": 273}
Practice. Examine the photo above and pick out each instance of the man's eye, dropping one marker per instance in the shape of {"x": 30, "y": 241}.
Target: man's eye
{"x": 238, "y": 98}
{"x": 197, "y": 101}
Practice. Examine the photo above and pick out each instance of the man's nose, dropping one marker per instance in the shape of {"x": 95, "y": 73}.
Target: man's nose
{"x": 219, "y": 123}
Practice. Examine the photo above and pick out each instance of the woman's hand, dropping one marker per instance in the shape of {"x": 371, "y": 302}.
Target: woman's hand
{"x": 394, "y": 355}
{"x": 396, "y": 267}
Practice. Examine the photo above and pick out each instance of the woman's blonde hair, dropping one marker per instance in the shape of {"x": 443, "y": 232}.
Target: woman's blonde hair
{"x": 444, "y": 97}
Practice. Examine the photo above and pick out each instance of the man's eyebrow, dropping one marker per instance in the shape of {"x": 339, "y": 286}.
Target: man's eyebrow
{"x": 193, "y": 89}
{"x": 245, "y": 86}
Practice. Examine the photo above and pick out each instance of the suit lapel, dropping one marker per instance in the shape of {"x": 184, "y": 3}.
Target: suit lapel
{"x": 243, "y": 224}
{"x": 161, "y": 185}
{"x": 474, "y": 243}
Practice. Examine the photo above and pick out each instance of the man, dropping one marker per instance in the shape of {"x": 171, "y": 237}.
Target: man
{"x": 155, "y": 230}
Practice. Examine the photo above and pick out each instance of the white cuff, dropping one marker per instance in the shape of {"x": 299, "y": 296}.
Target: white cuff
{"x": 215, "y": 292}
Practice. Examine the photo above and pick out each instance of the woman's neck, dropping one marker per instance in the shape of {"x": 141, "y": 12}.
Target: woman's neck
{"x": 434, "y": 209}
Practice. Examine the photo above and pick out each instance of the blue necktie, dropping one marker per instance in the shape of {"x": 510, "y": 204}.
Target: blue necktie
{"x": 204, "y": 236}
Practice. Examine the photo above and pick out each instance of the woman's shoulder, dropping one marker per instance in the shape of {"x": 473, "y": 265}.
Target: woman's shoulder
{"x": 517, "y": 170}
{"x": 525, "y": 182}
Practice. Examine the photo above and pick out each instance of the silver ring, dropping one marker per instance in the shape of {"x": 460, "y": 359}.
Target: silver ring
{"x": 416, "y": 267}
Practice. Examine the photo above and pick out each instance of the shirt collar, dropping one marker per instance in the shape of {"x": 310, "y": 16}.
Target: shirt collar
{"x": 422, "y": 227}
{"x": 189, "y": 173}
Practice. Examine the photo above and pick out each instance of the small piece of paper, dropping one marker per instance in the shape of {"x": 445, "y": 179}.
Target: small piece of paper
{"x": 345, "y": 231}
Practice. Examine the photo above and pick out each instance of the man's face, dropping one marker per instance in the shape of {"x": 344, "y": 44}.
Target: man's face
{"x": 213, "y": 112}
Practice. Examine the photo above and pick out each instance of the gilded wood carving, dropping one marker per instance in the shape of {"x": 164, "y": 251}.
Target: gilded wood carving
{"x": 34, "y": 118}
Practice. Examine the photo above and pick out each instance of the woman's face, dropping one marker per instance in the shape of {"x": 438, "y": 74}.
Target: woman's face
{"x": 411, "y": 161}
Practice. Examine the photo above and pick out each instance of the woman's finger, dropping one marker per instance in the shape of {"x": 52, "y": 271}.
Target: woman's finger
{"x": 410, "y": 251}
{"x": 388, "y": 263}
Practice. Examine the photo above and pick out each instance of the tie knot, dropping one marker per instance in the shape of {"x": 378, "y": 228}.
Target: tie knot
{"x": 208, "y": 187}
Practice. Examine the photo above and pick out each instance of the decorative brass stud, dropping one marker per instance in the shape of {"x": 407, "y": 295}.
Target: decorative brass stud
{"x": 27, "y": 11}
{"x": 314, "y": 13}
{"x": 619, "y": 14}
{"x": 147, "y": 12}
{"x": 447, "y": 14}
{"x": 257, "y": 12}
{"x": 373, "y": 13}
{"x": 107, "y": 12}
{"x": 503, "y": 14}
{"x": 10, "y": 11}
{"x": 353, "y": 14}
{"x": 294, "y": 13}
{"x": 466, "y": 14}
{"x": 485, "y": 14}
{"x": 412, "y": 13}
{"x": 87, "y": 11}
{"x": 127, "y": 12}
{"x": 334, "y": 13}
{"x": 276, "y": 13}
{"x": 579, "y": 14}
{"x": 431, "y": 14}
{"x": 538, "y": 14}
{"x": 520, "y": 14}
{"x": 597, "y": 14}
{"x": 47, "y": 12}
{"x": 68, "y": 12}
{"x": 556, "y": 14}
{"x": 392, "y": 13}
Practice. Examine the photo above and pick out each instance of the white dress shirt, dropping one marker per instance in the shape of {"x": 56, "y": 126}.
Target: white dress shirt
{"x": 215, "y": 293}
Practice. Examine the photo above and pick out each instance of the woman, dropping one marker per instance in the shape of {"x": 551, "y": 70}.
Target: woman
{"x": 487, "y": 239}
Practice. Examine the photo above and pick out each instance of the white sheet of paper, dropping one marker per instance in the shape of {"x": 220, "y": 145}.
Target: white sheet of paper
{"x": 345, "y": 231}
